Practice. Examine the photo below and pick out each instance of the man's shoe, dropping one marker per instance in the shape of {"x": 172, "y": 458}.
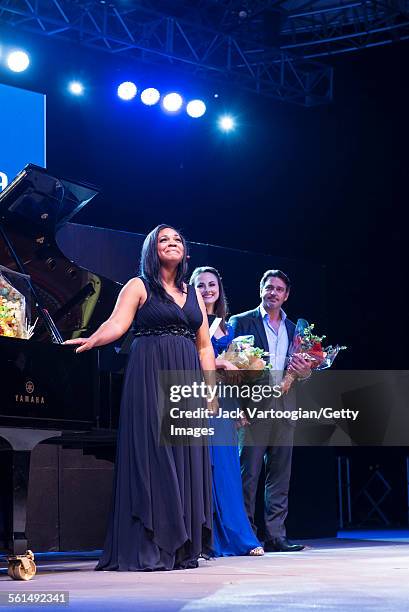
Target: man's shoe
{"x": 282, "y": 545}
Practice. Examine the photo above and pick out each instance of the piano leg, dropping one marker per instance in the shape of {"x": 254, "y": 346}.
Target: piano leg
{"x": 20, "y": 466}
{"x": 21, "y": 564}
{"x": 22, "y": 442}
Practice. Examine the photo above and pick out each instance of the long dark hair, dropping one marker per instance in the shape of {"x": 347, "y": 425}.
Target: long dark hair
{"x": 221, "y": 308}
{"x": 150, "y": 264}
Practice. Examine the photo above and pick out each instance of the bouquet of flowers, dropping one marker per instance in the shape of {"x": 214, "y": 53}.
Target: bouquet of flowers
{"x": 13, "y": 322}
{"x": 242, "y": 353}
{"x": 309, "y": 346}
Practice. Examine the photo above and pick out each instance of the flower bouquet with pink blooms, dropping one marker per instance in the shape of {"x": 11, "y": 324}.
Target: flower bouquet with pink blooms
{"x": 309, "y": 346}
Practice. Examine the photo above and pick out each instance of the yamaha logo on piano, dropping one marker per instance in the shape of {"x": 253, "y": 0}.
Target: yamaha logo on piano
{"x": 29, "y": 397}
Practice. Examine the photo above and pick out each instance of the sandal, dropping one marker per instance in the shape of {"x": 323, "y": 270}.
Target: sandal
{"x": 256, "y": 552}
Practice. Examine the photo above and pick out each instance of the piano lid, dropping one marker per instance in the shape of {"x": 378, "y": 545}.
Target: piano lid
{"x": 44, "y": 200}
{"x": 32, "y": 209}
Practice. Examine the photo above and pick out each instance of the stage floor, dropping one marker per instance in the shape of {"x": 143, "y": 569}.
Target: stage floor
{"x": 337, "y": 574}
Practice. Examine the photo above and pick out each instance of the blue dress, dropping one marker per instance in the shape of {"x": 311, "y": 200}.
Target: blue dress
{"x": 232, "y": 531}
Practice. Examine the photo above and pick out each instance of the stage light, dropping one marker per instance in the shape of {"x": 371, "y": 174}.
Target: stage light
{"x": 150, "y": 96}
{"x": 226, "y": 123}
{"x": 172, "y": 102}
{"x": 76, "y": 88}
{"x": 196, "y": 108}
{"x": 127, "y": 90}
{"x": 18, "y": 61}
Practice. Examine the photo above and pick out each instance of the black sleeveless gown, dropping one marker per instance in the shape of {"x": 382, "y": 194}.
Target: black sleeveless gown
{"x": 161, "y": 508}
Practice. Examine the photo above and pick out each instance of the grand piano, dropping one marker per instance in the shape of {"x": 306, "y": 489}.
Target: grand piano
{"x": 48, "y": 392}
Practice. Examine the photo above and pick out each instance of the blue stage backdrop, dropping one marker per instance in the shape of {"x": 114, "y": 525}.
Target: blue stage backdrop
{"x": 22, "y": 132}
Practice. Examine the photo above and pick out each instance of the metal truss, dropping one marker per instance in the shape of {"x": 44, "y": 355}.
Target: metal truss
{"x": 267, "y": 46}
{"x": 315, "y": 28}
{"x": 144, "y": 31}
{"x": 325, "y": 27}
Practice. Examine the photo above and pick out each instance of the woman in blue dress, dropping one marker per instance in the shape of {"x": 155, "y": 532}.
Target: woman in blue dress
{"x": 232, "y": 531}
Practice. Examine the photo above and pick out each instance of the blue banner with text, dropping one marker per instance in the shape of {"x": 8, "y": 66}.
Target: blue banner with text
{"x": 22, "y": 131}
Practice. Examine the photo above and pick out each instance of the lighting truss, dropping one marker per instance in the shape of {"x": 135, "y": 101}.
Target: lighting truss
{"x": 144, "y": 31}
{"x": 323, "y": 27}
{"x": 267, "y": 46}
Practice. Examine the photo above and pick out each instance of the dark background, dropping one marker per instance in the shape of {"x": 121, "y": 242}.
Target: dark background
{"x": 324, "y": 185}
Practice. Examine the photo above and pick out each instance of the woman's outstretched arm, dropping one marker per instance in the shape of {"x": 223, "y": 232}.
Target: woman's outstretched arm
{"x": 132, "y": 295}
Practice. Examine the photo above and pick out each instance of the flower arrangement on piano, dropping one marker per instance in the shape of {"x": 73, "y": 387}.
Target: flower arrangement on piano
{"x": 13, "y": 317}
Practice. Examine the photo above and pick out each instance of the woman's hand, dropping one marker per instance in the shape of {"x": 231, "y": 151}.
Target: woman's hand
{"x": 84, "y": 344}
{"x": 223, "y": 364}
{"x": 233, "y": 374}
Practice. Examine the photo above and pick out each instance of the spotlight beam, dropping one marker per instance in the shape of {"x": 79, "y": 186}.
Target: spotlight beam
{"x": 127, "y": 90}
{"x": 76, "y": 88}
{"x": 18, "y": 61}
{"x": 150, "y": 96}
{"x": 226, "y": 123}
{"x": 196, "y": 108}
{"x": 172, "y": 102}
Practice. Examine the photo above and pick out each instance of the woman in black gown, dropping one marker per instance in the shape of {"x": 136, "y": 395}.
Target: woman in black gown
{"x": 161, "y": 508}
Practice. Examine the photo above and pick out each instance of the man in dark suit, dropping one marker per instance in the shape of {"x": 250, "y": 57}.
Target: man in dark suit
{"x": 271, "y": 440}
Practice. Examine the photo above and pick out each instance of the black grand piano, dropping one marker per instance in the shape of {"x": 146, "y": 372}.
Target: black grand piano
{"x": 49, "y": 393}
